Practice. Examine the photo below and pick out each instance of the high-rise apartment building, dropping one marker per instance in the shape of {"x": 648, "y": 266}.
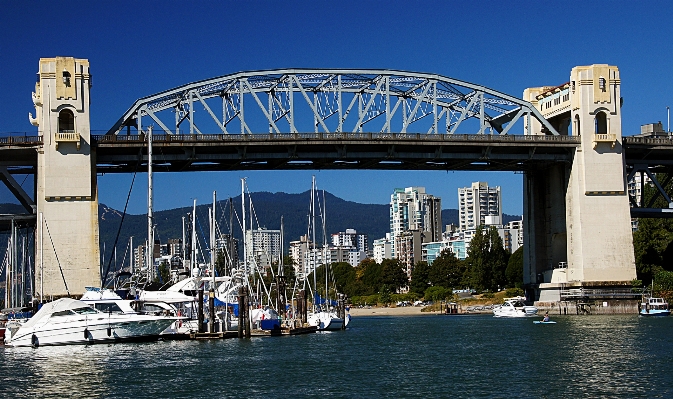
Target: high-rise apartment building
{"x": 354, "y": 244}
{"x": 479, "y": 205}
{"x": 412, "y": 209}
{"x": 262, "y": 246}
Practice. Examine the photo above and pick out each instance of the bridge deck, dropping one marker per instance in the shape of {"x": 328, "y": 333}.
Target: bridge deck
{"x": 121, "y": 153}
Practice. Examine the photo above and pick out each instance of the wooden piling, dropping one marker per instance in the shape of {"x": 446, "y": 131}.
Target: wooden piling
{"x": 200, "y": 314}
{"x": 211, "y": 311}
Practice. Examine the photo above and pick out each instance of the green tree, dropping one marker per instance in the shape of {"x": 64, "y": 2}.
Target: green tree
{"x": 419, "y": 278}
{"x": 220, "y": 263}
{"x": 385, "y": 295}
{"x": 663, "y": 284}
{"x": 344, "y": 274}
{"x": 369, "y": 273}
{"x": 164, "y": 274}
{"x": 497, "y": 258}
{"x": 514, "y": 271}
{"x": 487, "y": 260}
{"x": 437, "y": 293}
{"x": 478, "y": 271}
{"x": 393, "y": 274}
{"x": 447, "y": 271}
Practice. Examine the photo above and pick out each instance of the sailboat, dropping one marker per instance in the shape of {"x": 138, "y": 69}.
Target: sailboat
{"x": 323, "y": 316}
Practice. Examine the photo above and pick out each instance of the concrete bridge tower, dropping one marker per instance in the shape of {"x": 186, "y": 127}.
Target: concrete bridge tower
{"x": 577, "y": 216}
{"x": 67, "y": 251}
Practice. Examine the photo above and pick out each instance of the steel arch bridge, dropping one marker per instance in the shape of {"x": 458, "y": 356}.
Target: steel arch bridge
{"x": 331, "y": 101}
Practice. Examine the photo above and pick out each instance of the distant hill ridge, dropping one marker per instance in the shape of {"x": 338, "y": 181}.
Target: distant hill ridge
{"x": 370, "y": 219}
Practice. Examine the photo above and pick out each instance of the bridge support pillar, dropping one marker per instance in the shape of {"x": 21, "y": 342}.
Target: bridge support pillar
{"x": 590, "y": 195}
{"x": 67, "y": 249}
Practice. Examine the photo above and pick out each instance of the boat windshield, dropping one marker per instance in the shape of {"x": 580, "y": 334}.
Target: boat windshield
{"x": 108, "y": 307}
{"x": 85, "y": 310}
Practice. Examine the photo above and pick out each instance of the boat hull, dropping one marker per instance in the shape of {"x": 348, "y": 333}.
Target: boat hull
{"x": 326, "y": 321}
{"x": 655, "y": 313}
{"x": 85, "y": 332}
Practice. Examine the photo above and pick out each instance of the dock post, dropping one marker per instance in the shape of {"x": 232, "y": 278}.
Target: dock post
{"x": 211, "y": 310}
{"x": 241, "y": 292}
{"x": 246, "y": 308}
{"x": 200, "y": 315}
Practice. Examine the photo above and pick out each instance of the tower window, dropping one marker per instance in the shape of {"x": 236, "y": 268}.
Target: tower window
{"x": 601, "y": 83}
{"x": 66, "y": 78}
{"x": 601, "y": 123}
{"x": 66, "y": 121}
{"x": 573, "y": 86}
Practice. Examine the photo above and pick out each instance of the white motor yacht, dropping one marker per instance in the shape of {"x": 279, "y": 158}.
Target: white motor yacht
{"x": 514, "y": 308}
{"x": 68, "y": 321}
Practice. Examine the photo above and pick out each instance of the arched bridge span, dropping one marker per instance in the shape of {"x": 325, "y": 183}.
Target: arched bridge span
{"x": 331, "y": 101}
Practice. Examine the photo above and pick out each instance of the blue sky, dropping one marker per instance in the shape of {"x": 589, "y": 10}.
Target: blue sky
{"x": 141, "y": 48}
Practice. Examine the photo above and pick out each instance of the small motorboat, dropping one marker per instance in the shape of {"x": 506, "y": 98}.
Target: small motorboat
{"x": 68, "y": 321}
{"x": 514, "y": 308}
{"x": 654, "y": 307}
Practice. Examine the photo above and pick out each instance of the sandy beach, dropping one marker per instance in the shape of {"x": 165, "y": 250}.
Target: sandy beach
{"x": 398, "y": 311}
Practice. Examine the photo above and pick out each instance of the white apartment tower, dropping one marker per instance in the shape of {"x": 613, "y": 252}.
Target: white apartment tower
{"x": 412, "y": 209}
{"x": 263, "y": 246}
{"x": 478, "y": 202}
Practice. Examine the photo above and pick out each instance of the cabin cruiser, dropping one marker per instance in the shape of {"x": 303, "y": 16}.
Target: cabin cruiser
{"x": 654, "y": 307}
{"x": 154, "y": 303}
{"x": 68, "y": 321}
{"x": 514, "y": 307}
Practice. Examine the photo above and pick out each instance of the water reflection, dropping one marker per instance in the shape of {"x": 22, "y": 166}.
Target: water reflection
{"x": 425, "y": 356}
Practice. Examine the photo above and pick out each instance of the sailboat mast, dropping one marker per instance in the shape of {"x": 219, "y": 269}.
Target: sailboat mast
{"x": 245, "y": 249}
{"x": 280, "y": 261}
{"x": 324, "y": 244}
{"x": 41, "y": 258}
{"x": 150, "y": 204}
{"x": 315, "y": 262}
{"x": 193, "y": 262}
{"x": 212, "y": 239}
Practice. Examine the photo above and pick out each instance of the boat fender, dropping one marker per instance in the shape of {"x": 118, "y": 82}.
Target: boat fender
{"x": 109, "y": 331}
{"x": 86, "y": 333}
{"x": 34, "y": 341}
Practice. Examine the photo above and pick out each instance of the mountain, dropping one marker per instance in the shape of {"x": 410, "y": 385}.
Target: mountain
{"x": 370, "y": 219}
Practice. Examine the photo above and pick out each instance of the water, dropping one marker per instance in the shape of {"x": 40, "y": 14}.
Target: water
{"x": 412, "y": 356}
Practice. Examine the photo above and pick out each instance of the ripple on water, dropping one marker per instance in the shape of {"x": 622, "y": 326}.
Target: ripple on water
{"x": 423, "y": 356}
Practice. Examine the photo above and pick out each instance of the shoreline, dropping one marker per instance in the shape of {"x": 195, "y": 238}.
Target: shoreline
{"x": 396, "y": 311}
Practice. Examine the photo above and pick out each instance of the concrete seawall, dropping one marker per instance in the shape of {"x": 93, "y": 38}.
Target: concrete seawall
{"x": 594, "y": 307}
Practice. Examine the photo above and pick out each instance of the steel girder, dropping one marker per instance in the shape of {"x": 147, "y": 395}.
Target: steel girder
{"x": 331, "y": 101}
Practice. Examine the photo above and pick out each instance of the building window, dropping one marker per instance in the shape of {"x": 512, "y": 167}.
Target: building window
{"x": 573, "y": 86}
{"x": 66, "y": 121}
{"x": 577, "y": 125}
{"x": 601, "y": 83}
{"x": 601, "y": 123}
{"x": 66, "y": 78}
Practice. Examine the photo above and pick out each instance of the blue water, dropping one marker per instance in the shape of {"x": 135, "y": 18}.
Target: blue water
{"x": 412, "y": 356}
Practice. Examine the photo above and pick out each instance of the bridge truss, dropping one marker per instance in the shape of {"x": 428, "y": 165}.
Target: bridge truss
{"x": 331, "y": 101}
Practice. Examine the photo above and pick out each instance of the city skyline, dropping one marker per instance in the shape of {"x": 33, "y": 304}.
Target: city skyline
{"x": 299, "y": 34}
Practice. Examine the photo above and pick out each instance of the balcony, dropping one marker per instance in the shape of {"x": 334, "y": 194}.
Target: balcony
{"x": 67, "y": 136}
{"x": 609, "y": 138}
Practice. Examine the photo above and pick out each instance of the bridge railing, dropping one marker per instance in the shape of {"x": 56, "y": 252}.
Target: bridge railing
{"x": 21, "y": 140}
{"x": 598, "y": 293}
{"x": 648, "y": 140}
{"x": 337, "y": 136}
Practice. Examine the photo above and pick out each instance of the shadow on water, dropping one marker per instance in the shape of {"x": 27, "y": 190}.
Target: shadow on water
{"x": 422, "y": 356}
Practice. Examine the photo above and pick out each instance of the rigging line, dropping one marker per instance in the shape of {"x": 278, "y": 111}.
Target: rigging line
{"x": 121, "y": 223}
{"x": 56, "y": 255}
